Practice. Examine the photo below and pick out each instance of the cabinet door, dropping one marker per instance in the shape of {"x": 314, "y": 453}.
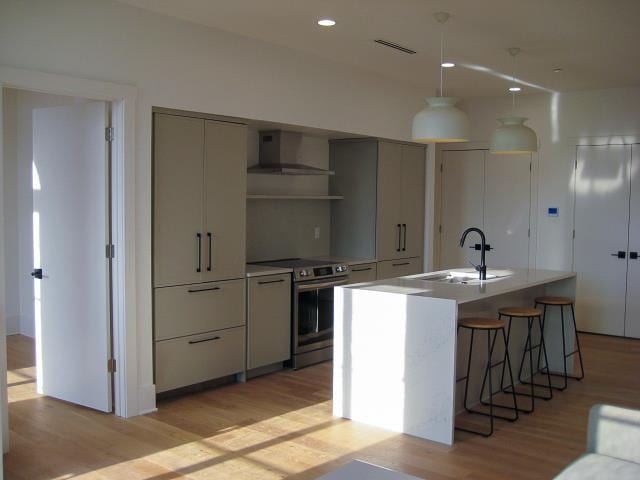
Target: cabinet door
{"x": 177, "y": 199}
{"x": 413, "y": 198}
{"x": 389, "y": 221}
{"x": 225, "y": 174}
{"x": 366, "y": 272}
{"x": 507, "y": 209}
{"x": 399, "y": 268}
{"x": 462, "y": 206}
{"x": 632, "y": 323}
{"x": 269, "y": 322}
{"x": 602, "y": 230}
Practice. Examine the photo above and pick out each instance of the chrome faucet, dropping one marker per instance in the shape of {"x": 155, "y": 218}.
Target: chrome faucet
{"x": 482, "y": 268}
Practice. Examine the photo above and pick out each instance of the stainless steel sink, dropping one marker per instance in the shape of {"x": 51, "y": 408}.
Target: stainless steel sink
{"x": 464, "y": 276}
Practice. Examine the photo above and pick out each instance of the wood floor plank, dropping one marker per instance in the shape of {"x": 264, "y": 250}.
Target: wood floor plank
{"x": 280, "y": 426}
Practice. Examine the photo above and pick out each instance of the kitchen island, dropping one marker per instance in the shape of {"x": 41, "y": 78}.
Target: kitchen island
{"x": 396, "y": 347}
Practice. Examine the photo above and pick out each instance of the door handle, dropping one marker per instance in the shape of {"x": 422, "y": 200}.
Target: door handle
{"x": 210, "y": 264}
{"x": 621, "y": 254}
{"x": 478, "y": 247}
{"x": 37, "y": 273}
{"x": 404, "y": 242}
{"x": 633, "y": 255}
{"x": 399, "y": 227}
{"x": 199, "y": 238}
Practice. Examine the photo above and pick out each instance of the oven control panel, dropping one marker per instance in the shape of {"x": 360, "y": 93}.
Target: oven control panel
{"x": 324, "y": 271}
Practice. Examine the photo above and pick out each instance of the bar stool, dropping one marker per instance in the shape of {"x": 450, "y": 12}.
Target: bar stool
{"x": 530, "y": 314}
{"x": 563, "y": 302}
{"x": 489, "y": 325}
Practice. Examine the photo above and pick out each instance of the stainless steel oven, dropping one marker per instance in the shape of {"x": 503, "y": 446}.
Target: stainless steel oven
{"x": 312, "y": 308}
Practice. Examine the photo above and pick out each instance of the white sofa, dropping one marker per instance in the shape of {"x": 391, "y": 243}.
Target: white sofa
{"x": 613, "y": 446}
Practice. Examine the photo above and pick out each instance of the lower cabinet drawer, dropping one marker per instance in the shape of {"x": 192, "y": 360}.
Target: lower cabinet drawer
{"x": 399, "y": 268}
{"x": 197, "y": 358}
{"x": 191, "y": 309}
{"x": 366, "y": 272}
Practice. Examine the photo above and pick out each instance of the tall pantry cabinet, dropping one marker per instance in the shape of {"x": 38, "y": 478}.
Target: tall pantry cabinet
{"x": 382, "y": 213}
{"x": 199, "y": 214}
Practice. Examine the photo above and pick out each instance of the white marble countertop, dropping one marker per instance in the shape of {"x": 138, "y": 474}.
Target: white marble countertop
{"x": 514, "y": 279}
{"x": 262, "y": 270}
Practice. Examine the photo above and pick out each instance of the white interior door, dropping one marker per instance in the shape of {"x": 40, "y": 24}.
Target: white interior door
{"x": 462, "y": 206}
{"x": 601, "y": 231}
{"x": 71, "y": 231}
{"x": 507, "y": 209}
{"x": 632, "y": 323}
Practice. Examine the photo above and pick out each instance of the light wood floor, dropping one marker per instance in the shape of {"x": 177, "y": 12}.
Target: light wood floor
{"x": 280, "y": 426}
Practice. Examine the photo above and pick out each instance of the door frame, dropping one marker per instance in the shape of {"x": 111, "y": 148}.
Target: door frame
{"x": 124, "y": 321}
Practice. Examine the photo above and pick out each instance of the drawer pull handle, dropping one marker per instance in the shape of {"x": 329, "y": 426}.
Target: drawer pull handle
{"x": 400, "y": 264}
{"x": 361, "y": 269}
{"x": 191, "y": 342}
{"x": 204, "y": 290}
{"x": 271, "y": 281}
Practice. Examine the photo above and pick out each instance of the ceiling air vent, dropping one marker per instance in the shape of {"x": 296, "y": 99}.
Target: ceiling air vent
{"x": 395, "y": 46}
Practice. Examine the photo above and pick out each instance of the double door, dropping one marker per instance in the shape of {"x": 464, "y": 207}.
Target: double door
{"x": 493, "y": 193}
{"x": 607, "y": 239}
{"x": 199, "y": 200}
{"x": 400, "y": 201}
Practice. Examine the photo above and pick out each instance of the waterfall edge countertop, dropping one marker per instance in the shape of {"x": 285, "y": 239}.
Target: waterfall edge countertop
{"x": 397, "y": 352}
{"x": 506, "y": 280}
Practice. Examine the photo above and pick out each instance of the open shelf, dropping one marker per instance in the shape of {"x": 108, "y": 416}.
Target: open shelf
{"x": 294, "y": 197}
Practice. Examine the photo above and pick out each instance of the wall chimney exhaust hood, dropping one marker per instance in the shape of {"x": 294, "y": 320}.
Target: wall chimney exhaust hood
{"x": 280, "y": 155}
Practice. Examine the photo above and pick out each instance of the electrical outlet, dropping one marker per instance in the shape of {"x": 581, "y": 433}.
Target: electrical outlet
{"x": 316, "y": 233}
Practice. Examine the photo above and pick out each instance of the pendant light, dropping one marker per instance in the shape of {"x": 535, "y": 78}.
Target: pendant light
{"x": 513, "y": 136}
{"x": 441, "y": 121}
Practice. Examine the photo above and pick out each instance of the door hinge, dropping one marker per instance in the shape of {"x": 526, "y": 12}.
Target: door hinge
{"x": 440, "y": 229}
{"x": 111, "y": 365}
{"x": 441, "y": 168}
{"x": 530, "y": 167}
{"x": 111, "y": 251}
{"x": 574, "y": 233}
{"x": 108, "y": 134}
{"x": 529, "y": 233}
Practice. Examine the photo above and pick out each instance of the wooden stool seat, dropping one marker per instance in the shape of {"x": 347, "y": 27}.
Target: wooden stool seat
{"x": 524, "y": 312}
{"x": 481, "y": 323}
{"x": 554, "y": 301}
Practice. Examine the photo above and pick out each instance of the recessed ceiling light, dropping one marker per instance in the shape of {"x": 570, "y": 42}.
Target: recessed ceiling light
{"x": 557, "y": 70}
{"x": 326, "y": 22}
{"x": 514, "y": 89}
{"x": 448, "y": 64}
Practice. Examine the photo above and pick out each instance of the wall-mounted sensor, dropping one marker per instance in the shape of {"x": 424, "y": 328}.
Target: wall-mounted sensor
{"x": 553, "y": 212}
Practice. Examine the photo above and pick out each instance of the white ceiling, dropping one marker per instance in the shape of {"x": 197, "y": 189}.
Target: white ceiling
{"x": 594, "y": 41}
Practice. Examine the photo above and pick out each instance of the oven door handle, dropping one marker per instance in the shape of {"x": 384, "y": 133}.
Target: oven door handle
{"x": 317, "y": 286}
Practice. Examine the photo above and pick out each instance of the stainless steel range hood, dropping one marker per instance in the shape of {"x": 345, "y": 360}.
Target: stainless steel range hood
{"x": 280, "y": 155}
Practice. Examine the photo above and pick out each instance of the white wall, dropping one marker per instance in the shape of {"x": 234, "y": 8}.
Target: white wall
{"x": 181, "y": 65}
{"x": 561, "y": 121}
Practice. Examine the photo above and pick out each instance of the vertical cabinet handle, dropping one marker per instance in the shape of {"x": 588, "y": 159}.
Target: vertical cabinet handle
{"x": 399, "y": 227}
{"x": 210, "y": 264}
{"x": 199, "y": 238}
{"x": 404, "y": 242}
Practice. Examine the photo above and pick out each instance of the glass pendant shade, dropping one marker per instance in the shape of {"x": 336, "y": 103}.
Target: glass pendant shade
{"x": 513, "y": 137}
{"x": 440, "y": 122}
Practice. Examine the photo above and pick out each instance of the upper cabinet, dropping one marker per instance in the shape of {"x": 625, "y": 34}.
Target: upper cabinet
{"x": 383, "y": 185}
{"x": 199, "y": 200}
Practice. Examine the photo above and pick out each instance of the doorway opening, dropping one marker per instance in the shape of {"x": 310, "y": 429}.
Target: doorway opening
{"x": 58, "y": 247}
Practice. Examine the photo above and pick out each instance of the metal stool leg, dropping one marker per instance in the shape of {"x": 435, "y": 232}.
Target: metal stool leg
{"x": 579, "y": 350}
{"x": 542, "y": 351}
{"x": 487, "y": 373}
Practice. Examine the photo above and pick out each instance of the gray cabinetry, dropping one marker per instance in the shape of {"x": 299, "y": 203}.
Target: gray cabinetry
{"x": 399, "y": 268}
{"x": 268, "y": 320}
{"x": 199, "y": 205}
{"x": 382, "y": 214}
{"x": 366, "y": 272}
